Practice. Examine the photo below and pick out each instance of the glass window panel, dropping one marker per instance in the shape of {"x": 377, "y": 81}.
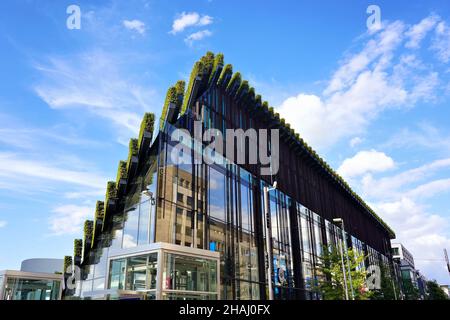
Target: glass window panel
{"x": 86, "y": 286}
{"x": 144, "y": 222}
{"x": 130, "y": 231}
{"x": 216, "y": 195}
{"x": 117, "y": 240}
{"x": 306, "y": 243}
{"x": 189, "y": 273}
{"x": 274, "y": 221}
{"x": 31, "y": 289}
{"x": 136, "y": 273}
{"x": 100, "y": 268}
{"x": 245, "y": 208}
{"x": 99, "y": 284}
{"x": 152, "y": 270}
{"x": 318, "y": 238}
{"x": 117, "y": 274}
{"x": 166, "y": 222}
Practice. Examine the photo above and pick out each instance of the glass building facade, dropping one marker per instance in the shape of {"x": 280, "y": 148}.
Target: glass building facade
{"x": 18, "y": 285}
{"x": 216, "y": 205}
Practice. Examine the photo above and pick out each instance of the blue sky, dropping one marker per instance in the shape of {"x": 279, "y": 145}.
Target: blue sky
{"x": 374, "y": 103}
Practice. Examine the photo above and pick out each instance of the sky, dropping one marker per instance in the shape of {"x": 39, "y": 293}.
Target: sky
{"x": 373, "y": 100}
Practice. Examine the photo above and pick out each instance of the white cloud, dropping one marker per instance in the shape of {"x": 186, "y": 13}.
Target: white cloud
{"x": 197, "y": 36}
{"x": 377, "y": 50}
{"x": 94, "y": 82}
{"x": 441, "y": 42}
{"x": 19, "y": 136}
{"x": 429, "y": 189}
{"x": 129, "y": 241}
{"x": 410, "y": 217}
{"x": 364, "y": 162}
{"x": 69, "y": 219}
{"x": 205, "y": 20}
{"x": 15, "y": 166}
{"x": 417, "y": 32}
{"x": 401, "y": 203}
{"x": 394, "y": 186}
{"x": 423, "y": 233}
{"x": 355, "y": 141}
{"x": 185, "y": 20}
{"x": 424, "y": 87}
{"x": 135, "y": 25}
{"x": 366, "y": 83}
{"x": 84, "y": 194}
{"x": 3, "y": 223}
{"x": 398, "y": 200}
{"x": 425, "y": 135}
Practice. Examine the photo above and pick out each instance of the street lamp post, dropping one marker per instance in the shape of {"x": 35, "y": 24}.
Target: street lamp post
{"x": 269, "y": 238}
{"x": 341, "y": 221}
{"x": 343, "y": 269}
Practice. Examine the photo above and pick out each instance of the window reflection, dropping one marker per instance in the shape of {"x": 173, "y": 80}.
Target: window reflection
{"x": 130, "y": 231}
{"x": 144, "y": 222}
{"x": 189, "y": 273}
{"x": 134, "y": 273}
{"x": 31, "y": 289}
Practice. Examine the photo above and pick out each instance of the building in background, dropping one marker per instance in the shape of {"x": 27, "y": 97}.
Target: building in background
{"x": 446, "y": 289}
{"x": 196, "y": 211}
{"x": 422, "y": 285}
{"x": 38, "y": 279}
{"x": 407, "y": 272}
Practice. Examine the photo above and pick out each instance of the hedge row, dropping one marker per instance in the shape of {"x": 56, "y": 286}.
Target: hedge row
{"x": 133, "y": 151}
{"x": 88, "y": 228}
{"x": 218, "y": 64}
{"x": 77, "y": 247}
{"x": 122, "y": 172}
{"x": 67, "y": 263}
{"x": 147, "y": 125}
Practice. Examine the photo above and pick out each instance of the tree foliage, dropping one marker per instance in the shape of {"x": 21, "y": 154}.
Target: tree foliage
{"x": 330, "y": 283}
{"x": 435, "y": 292}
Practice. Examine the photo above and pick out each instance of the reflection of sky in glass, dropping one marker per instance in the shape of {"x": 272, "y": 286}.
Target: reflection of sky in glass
{"x": 144, "y": 212}
{"x": 273, "y": 217}
{"x": 245, "y": 205}
{"x": 217, "y": 195}
{"x": 128, "y": 241}
{"x": 131, "y": 228}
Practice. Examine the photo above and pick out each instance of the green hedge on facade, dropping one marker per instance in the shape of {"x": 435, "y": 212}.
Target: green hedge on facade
{"x": 234, "y": 82}
{"x": 226, "y": 73}
{"x": 195, "y": 73}
{"x": 133, "y": 151}
{"x": 88, "y": 228}
{"x": 67, "y": 263}
{"x": 121, "y": 172}
{"x": 147, "y": 125}
{"x": 218, "y": 63}
{"x": 99, "y": 210}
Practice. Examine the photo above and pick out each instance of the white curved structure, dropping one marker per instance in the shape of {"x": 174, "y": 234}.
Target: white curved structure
{"x": 42, "y": 265}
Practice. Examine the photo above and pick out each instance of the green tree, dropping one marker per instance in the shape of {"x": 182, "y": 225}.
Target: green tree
{"x": 435, "y": 292}
{"x": 330, "y": 280}
{"x": 389, "y": 288}
{"x": 409, "y": 290}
